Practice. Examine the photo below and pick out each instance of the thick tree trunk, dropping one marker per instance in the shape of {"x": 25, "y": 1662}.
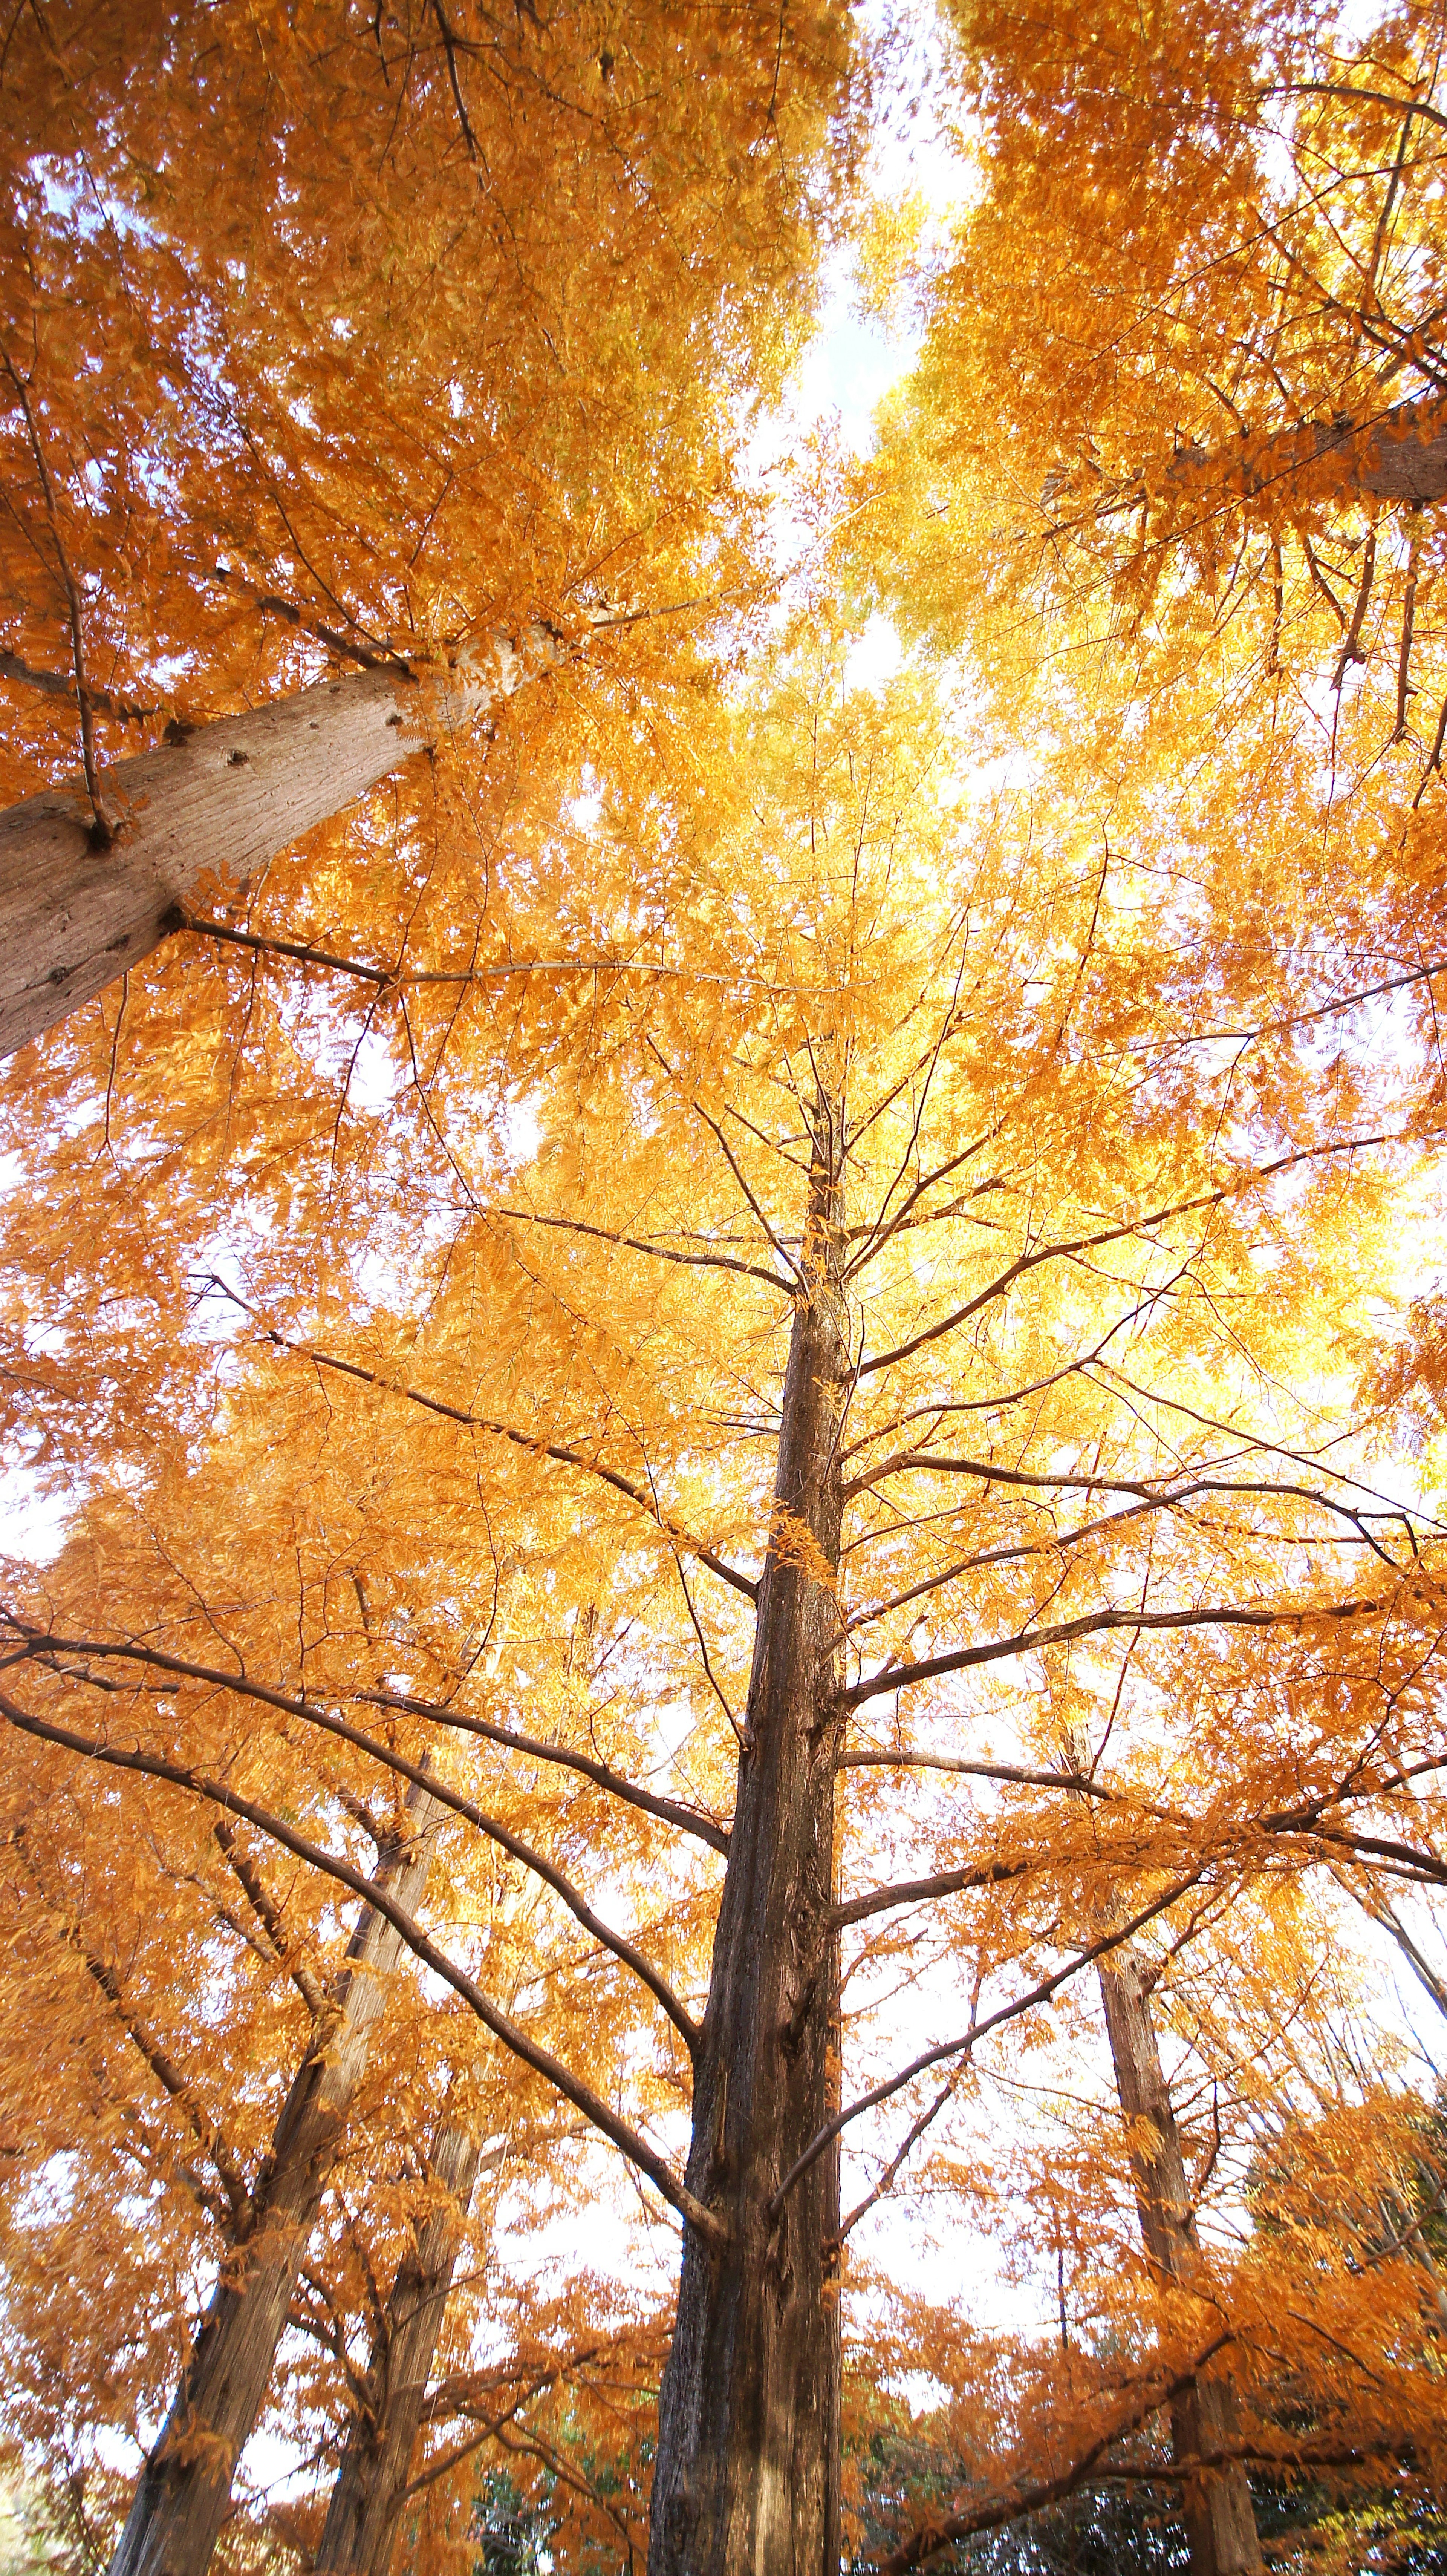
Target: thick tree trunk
{"x": 747, "y": 2477}
{"x": 222, "y": 801}
{"x": 1219, "y": 2515}
{"x": 366, "y": 2501}
{"x": 185, "y": 2487}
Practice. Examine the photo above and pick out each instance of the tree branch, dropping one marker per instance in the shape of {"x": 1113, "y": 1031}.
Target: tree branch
{"x": 1093, "y": 1623}
{"x": 42, "y": 1649}
{"x": 1027, "y": 1261}
{"x": 1038, "y": 1994}
{"x": 524, "y": 1440}
{"x": 51, "y": 685}
{"x": 1011, "y": 2507}
{"x": 541, "y": 2060}
{"x": 269, "y": 1915}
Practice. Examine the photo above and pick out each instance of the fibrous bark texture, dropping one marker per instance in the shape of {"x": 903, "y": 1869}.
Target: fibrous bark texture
{"x": 220, "y": 802}
{"x": 1219, "y": 2515}
{"x": 746, "y": 2482}
{"x": 367, "y": 2499}
{"x": 185, "y": 2487}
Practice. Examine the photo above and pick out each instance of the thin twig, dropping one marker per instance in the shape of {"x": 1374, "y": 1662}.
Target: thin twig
{"x": 103, "y": 830}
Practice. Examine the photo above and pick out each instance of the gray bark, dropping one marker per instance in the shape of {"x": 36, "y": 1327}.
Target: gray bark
{"x": 74, "y": 916}
{"x": 747, "y": 2474}
{"x": 367, "y": 2499}
{"x": 1219, "y": 2515}
{"x": 181, "y": 2500}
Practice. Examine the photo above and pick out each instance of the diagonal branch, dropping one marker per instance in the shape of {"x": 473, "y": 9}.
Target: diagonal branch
{"x": 43, "y": 1649}
{"x": 670, "y": 1811}
{"x": 573, "y": 2088}
{"x": 271, "y": 1918}
{"x": 525, "y": 1440}
{"x": 1020, "y": 2500}
{"x": 948, "y": 2048}
{"x": 1068, "y": 1251}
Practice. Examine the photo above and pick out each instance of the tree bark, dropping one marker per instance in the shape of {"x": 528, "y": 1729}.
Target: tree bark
{"x": 77, "y": 912}
{"x": 367, "y": 2499}
{"x": 1219, "y": 2515}
{"x": 185, "y": 2487}
{"x": 1398, "y": 455}
{"x": 747, "y": 2474}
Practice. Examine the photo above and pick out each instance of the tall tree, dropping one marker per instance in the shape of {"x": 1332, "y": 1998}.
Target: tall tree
{"x": 1204, "y": 2419}
{"x": 911, "y": 1151}
{"x": 182, "y": 2495}
{"x": 366, "y": 2501}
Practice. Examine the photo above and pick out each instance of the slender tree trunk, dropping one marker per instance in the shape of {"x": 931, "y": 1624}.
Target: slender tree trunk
{"x": 747, "y": 2478}
{"x": 1219, "y": 2515}
{"x": 366, "y": 2501}
{"x": 76, "y": 912}
{"x": 185, "y": 2487}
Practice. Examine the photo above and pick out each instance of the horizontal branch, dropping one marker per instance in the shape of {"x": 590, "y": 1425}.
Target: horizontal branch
{"x": 1404, "y": 107}
{"x": 1069, "y": 1250}
{"x": 655, "y": 1251}
{"x": 1092, "y": 1623}
{"x": 573, "y": 2089}
{"x": 1169, "y": 1496}
{"x": 275, "y": 605}
{"x": 997, "y": 1403}
{"x": 1073, "y": 1781}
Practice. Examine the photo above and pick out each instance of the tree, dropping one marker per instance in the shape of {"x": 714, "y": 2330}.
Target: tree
{"x": 367, "y": 2498}
{"x": 459, "y": 356}
{"x": 958, "y": 1175}
{"x": 1204, "y": 2421}
{"x": 1168, "y": 472}
{"x": 183, "y": 2493}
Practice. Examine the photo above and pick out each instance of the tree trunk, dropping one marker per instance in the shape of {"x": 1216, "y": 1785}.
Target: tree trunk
{"x": 1398, "y": 455}
{"x": 185, "y": 2487}
{"x": 366, "y": 2501}
{"x": 1218, "y": 2509}
{"x": 76, "y": 912}
{"x": 747, "y": 2475}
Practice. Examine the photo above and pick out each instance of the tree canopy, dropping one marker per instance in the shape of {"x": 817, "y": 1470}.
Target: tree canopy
{"x": 723, "y": 1785}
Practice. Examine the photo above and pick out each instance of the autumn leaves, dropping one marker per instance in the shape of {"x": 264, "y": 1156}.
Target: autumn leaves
{"x": 740, "y": 1378}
